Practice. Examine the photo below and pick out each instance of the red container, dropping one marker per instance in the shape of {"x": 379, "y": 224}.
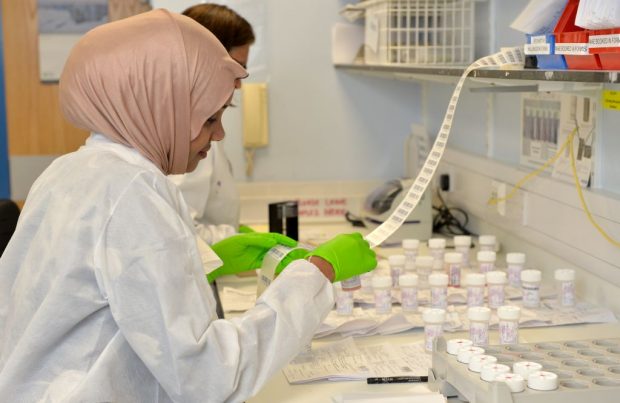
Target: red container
{"x": 606, "y": 44}
{"x": 574, "y": 47}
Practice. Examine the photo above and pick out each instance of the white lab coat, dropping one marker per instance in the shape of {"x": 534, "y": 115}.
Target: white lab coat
{"x": 212, "y": 196}
{"x": 103, "y": 296}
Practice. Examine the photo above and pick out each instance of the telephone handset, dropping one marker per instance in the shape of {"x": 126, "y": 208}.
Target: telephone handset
{"x": 255, "y": 115}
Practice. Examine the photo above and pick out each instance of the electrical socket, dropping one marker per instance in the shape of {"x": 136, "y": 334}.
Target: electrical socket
{"x": 498, "y": 191}
{"x": 446, "y": 182}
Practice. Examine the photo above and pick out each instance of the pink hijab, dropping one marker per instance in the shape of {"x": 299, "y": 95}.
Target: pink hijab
{"x": 149, "y": 82}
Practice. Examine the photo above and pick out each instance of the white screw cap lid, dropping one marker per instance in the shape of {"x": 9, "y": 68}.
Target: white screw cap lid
{"x": 411, "y": 244}
{"x": 515, "y": 258}
{"x": 490, "y": 371}
{"x": 454, "y": 345}
{"x": 383, "y": 266}
{"x": 525, "y": 368}
{"x": 531, "y": 276}
{"x": 453, "y": 257}
{"x": 486, "y": 256}
{"x": 396, "y": 260}
{"x": 542, "y": 380}
{"x": 434, "y": 315}
{"x": 408, "y": 280}
{"x": 497, "y": 277}
{"x": 437, "y": 243}
{"x": 424, "y": 261}
{"x": 464, "y": 355}
{"x": 479, "y": 313}
{"x": 382, "y": 282}
{"x": 564, "y": 274}
{"x": 486, "y": 239}
{"x": 515, "y": 382}
{"x": 462, "y": 240}
{"x": 509, "y": 312}
{"x": 475, "y": 279}
{"x": 477, "y": 361}
{"x": 438, "y": 279}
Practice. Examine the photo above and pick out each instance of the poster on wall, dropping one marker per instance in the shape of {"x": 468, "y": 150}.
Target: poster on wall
{"x": 61, "y": 24}
{"x": 548, "y": 119}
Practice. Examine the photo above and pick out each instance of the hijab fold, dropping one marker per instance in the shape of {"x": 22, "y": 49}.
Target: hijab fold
{"x": 149, "y": 82}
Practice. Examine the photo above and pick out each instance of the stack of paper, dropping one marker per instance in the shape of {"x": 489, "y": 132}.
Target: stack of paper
{"x": 598, "y": 14}
{"x": 539, "y": 16}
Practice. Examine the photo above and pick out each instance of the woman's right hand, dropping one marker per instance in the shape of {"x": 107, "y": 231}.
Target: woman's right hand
{"x": 349, "y": 254}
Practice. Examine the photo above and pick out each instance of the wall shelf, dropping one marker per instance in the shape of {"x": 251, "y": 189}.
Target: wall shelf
{"x": 512, "y": 77}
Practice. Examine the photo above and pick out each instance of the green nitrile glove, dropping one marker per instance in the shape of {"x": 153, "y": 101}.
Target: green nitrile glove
{"x": 244, "y": 229}
{"x": 245, "y": 252}
{"x": 349, "y": 255}
{"x": 295, "y": 254}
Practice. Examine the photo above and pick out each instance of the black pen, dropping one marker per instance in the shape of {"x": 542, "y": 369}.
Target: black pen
{"x": 397, "y": 379}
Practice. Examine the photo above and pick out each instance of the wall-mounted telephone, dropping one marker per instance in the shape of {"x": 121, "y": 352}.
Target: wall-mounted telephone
{"x": 255, "y": 115}
{"x": 255, "y": 121}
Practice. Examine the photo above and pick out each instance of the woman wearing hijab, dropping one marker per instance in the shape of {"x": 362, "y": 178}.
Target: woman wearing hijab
{"x": 102, "y": 292}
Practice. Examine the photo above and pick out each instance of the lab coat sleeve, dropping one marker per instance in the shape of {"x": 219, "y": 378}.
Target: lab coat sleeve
{"x": 149, "y": 270}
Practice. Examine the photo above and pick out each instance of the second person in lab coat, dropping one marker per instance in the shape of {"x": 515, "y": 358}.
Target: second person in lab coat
{"x": 210, "y": 190}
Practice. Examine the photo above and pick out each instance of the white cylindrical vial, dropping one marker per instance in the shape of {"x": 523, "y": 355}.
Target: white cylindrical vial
{"x": 486, "y": 261}
{"x": 466, "y": 353}
{"x": 542, "y": 380}
{"x": 437, "y": 247}
{"x": 478, "y": 361}
{"x": 344, "y": 301}
{"x": 397, "y": 266}
{"x": 409, "y": 292}
{"x": 351, "y": 284}
{"x": 410, "y": 250}
{"x": 438, "y": 283}
{"x": 565, "y": 280}
{"x": 475, "y": 283}
{"x": 525, "y": 368}
{"x": 530, "y": 286}
{"x": 383, "y": 268}
{"x": 479, "y": 317}
{"x": 462, "y": 245}
{"x": 382, "y": 288}
{"x": 433, "y": 326}
{"x": 508, "y": 324}
{"x": 454, "y": 345}
{"x": 490, "y": 371}
{"x": 515, "y": 382}
{"x": 452, "y": 263}
{"x": 366, "y": 282}
{"x": 515, "y": 262}
{"x": 487, "y": 242}
{"x": 424, "y": 267}
{"x": 496, "y": 283}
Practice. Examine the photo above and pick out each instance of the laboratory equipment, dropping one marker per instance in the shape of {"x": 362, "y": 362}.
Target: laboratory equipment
{"x": 479, "y": 317}
{"x": 466, "y": 353}
{"x": 565, "y": 279}
{"x": 382, "y": 201}
{"x": 283, "y": 218}
{"x": 453, "y": 268}
{"x": 433, "y": 326}
{"x": 382, "y": 288}
{"x": 438, "y": 283}
{"x": 462, "y": 245}
{"x": 410, "y": 248}
{"x": 496, "y": 282}
{"x": 424, "y": 267}
{"x": 487, "y": 242}
{"x": 508, "y": 327}
{"x": 587, "y": 371}
{"x": 397, "y": 266}
{"x": 344, "y": 301}
{"x": 409, "y": 291}
{"x": 437, "y": 248}
{"x": 475, "y": 283}
{"x": 491, "y": 371}
{"x": 515, "y": 262}
{"x": 486, "y": 260}
{"x": 530, "y": 287}
{"x": 478, "y": 361}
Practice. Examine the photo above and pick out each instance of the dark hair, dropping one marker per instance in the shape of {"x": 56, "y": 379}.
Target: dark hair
{"x": 229, "y": 27}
